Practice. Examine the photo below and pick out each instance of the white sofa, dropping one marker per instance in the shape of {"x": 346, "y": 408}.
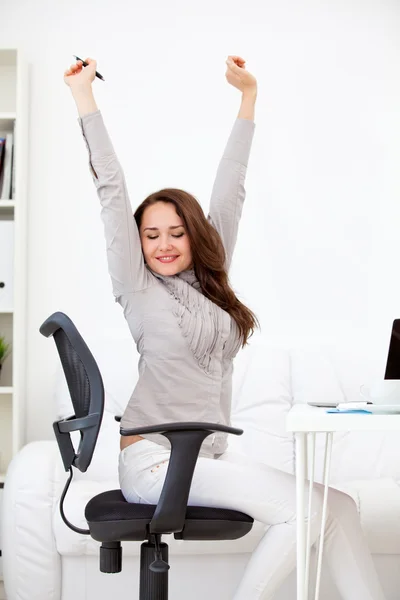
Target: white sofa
{"x": 44, "y": 560}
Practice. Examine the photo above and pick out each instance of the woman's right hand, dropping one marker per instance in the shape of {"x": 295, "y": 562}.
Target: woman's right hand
{"x": 78, "y": 75}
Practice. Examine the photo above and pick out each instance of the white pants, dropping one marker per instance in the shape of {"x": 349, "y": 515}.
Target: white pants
{"x": 268, "y": 495}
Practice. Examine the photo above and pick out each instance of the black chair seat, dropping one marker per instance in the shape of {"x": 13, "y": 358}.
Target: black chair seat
{"x": 111, "y": 518}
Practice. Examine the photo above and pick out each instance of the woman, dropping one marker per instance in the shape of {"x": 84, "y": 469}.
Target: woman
{"x": 168, "y": 265}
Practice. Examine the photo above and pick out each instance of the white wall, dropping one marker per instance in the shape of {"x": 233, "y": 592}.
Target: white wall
{"x": 318, "y": 253}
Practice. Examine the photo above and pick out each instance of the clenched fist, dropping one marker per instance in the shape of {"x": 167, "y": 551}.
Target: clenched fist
{"x": 237, "y": 75}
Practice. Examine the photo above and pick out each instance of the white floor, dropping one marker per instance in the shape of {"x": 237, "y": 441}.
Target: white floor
{"x": 2, "y": 594}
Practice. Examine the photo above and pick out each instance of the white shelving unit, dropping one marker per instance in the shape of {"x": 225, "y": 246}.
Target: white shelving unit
{"x": 14, "y": 110}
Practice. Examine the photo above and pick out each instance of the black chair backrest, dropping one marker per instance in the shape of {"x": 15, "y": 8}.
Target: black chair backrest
{"x": 86, "y": 389}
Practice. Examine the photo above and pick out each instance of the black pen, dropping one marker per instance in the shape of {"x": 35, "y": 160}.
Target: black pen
{"x": 85, "y": 64}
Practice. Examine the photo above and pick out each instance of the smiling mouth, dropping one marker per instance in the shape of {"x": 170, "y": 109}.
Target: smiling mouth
{"x": 167, "y": 259}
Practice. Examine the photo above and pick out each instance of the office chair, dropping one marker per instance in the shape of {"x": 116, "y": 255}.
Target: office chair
{"x": 110, "y": 518}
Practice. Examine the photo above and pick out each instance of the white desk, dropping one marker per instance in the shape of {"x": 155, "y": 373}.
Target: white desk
{"x": 304, "y": 421}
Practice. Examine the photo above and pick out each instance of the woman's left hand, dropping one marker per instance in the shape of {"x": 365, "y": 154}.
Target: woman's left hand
{"x": 237, "y": 75}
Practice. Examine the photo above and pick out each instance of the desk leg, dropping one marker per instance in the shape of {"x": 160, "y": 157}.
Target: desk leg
{"x": 301, "y": 472}
{"x": 327, "y": 465}
{"x": 311, "y": 470}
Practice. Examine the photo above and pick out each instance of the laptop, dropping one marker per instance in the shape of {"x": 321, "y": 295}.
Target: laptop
{"x": 393, "y": 360}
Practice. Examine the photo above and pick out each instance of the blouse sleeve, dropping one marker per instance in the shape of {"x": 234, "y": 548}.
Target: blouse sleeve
{"x": 125, "y": 259}
{"x": 228, "y": 193}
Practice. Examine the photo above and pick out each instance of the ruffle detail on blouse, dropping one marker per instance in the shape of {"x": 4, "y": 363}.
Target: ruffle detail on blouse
{"x": 200, "y": 320}
{"x": 205, "y": 326}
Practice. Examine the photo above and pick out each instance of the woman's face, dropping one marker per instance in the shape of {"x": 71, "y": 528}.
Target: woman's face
{"x": 165, "y": 243}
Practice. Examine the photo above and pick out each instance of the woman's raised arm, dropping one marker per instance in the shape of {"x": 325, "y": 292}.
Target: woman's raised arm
{"x": 124, "y": 251}
{"x": 228, "y": 193}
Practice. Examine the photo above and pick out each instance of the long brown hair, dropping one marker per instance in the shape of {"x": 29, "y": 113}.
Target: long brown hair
{"x": 208, "y": 256}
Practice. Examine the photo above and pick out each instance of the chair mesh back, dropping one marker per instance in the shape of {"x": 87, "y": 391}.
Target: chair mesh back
{"x": 75, "y": 374}
{"x": 86, "y": 390}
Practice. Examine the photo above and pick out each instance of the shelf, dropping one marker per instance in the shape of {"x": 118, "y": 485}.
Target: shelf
{"x": 8, "y": 116}
{"x": 14, "y": 118}
{"x": 7, "y": 209}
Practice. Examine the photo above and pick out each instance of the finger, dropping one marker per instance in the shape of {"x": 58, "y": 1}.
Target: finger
{"x": 73, "y": 70}
{"x": 235, "y": 66}
{"x": 236, "y": 58}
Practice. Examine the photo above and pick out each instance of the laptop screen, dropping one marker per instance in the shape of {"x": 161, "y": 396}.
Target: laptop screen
{"x": 393, "y": 359}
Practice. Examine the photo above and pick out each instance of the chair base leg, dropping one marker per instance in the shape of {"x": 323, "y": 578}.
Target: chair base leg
{"x": 153, "y": 586}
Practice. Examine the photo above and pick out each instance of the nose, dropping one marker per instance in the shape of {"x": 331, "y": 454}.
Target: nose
{"x": 165, "y": 244}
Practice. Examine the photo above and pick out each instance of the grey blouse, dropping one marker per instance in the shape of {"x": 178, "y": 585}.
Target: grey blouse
{"x": 186, "y": 342}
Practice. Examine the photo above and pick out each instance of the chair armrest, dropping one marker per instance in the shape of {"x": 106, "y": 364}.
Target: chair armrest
{"x": 188, "y": 426}
{"x": 186, "y": 440}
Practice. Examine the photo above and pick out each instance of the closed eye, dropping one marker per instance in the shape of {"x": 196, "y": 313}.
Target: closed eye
{"x": 154, "y": 237}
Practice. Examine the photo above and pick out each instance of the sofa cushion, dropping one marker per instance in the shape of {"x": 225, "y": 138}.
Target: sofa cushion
{"x": 261, "y": 399}
{"x": 313, "y": 376}
{"x": 365, "y": 455}
{"x": 378, "y": 502}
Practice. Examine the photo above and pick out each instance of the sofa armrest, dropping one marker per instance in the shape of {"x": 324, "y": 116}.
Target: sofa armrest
{"x": 31, "y": 563}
